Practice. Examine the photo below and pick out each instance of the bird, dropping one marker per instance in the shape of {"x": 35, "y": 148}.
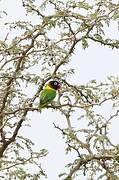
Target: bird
{"x": 49, "y": 93}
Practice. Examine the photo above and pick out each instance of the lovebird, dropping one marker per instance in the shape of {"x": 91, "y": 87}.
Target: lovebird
{"x": 49, "y": 93}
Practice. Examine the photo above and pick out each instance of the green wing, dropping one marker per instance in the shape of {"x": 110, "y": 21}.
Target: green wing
{"x": 47, "y": 96}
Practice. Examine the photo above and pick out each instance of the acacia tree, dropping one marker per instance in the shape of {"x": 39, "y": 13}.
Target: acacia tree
{"x": 28, "y": 46}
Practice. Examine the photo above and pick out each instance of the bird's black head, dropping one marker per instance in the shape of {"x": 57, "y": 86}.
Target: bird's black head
{"x": 54, "y": 84}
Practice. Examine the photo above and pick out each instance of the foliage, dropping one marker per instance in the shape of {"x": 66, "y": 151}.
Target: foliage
{"x": 29, "y": 45}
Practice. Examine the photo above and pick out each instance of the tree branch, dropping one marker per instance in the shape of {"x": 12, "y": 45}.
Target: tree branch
{"x": 87, "y": 159}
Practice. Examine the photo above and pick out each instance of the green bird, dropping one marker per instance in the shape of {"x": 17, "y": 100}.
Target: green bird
{"x": 49, "y": 93}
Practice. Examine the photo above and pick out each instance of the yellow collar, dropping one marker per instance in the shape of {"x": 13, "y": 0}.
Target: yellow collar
{"x": 48, "y": 87}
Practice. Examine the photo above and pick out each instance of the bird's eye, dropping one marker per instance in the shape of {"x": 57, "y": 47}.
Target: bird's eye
{"x": 55, "y": 83}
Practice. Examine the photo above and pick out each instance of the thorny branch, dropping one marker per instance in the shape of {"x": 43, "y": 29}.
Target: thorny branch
{"x": 84, "y": 159}
{"x": 87, "y": 159}
{"x": 86, "y": 26}
{"x": 4, "y": 100}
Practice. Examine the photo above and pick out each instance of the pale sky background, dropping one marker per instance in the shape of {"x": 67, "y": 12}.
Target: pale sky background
{"x": 96, "y": 62}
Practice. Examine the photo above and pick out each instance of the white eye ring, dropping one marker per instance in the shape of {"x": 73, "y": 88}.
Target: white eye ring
{"x": 55, "y": 83}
